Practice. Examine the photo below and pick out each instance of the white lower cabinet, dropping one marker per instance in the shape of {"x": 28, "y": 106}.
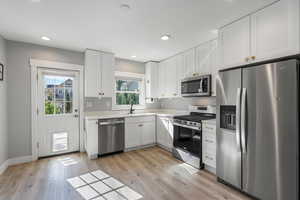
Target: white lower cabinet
{"x": 139, "y": 131}
{"x": 209, "y": 143}
{"x": 91, "y": 138}
{"x": 164, "y": 132}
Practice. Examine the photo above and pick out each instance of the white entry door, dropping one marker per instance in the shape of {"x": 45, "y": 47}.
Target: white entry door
{"x": 58, "y": 118}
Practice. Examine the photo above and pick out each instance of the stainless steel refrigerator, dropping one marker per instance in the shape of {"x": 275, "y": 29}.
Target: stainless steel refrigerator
{"x": 258, "y": 130}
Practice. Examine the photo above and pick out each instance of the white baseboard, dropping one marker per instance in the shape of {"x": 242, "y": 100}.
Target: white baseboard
{"x": 3, "y": 167}
{"x": 14, "y": 161}
{"x": 19, "y": 160}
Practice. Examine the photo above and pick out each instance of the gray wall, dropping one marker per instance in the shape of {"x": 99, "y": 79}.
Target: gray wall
{"x": 3, "y": 111}
{"x": 18, "y": 90}
{"x": 124, "y": 65}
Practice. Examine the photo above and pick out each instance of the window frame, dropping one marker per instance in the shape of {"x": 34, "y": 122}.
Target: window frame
{"x": 129, "y": 76}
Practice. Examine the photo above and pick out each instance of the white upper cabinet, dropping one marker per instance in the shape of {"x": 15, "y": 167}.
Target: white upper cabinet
{"x": 234, "y": 40}
{"x": 99, "y": 69}
{"x": 162, "y": 79}
{"x": 203, "y": 59}
{"x": 275, "y": 31}
{"x": 152, "y": 85}
{"x": 107, "y": 74}
{"x": 271, "y": 32}
{"x": 189, "y": 63}
{"x": 171, "y": 78}
{"x": 92, "y": 73}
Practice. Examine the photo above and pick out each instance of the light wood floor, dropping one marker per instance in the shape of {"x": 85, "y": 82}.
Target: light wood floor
{"x": 152, "y": 172}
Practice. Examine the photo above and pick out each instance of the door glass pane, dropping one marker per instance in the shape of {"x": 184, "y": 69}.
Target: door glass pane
{"x": 59, "y": 142}
{"x": 58, "y": 94}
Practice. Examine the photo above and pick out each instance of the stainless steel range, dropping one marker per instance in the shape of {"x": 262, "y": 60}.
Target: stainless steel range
{"x": 188, "y": 134}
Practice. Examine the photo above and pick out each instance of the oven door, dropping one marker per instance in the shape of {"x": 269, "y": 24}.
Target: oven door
{"x": 188, "y": 139}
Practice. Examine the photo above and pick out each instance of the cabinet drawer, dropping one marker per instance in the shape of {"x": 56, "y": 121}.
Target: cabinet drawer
{"x": 209, "y": 127}
{"x": 140, "y": 119}
{"x": 209, "y": 138}
{"x": 209, "y": 159}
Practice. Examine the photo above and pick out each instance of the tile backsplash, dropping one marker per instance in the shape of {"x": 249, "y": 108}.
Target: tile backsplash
{"x": 105, "y": 104}
{"x": 184, "y": 103}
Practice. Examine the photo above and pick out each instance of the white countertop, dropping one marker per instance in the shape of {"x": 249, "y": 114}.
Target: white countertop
{"x": 137, "y": 113}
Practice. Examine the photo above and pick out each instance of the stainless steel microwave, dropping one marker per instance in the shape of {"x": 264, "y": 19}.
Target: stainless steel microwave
{"x": 196, "y": 86}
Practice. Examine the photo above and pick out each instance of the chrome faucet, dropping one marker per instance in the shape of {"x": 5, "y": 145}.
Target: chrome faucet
{"x": 131, "y": 108}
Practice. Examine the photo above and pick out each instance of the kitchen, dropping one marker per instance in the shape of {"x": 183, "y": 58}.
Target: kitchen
{"x": 216, "y": 120}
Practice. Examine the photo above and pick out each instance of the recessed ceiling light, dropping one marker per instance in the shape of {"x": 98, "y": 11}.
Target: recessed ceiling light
{"x": 165, "y": 37}
{"x": 125, "y": 7}
{"x": 45, "y": 38}
{"x": 133, "y": 56}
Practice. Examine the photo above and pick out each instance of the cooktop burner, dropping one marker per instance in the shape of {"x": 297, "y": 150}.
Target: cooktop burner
{"x": 196, "y": 117}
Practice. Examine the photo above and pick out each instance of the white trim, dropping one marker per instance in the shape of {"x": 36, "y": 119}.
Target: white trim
{"x": 133, "y": 76}
{"x": 19, "y": 160}
{"x": 129, "y": 74}
{"x": 34, "y": 64}
{"x": 15, "y": 161}
{"x": 3, "y": 167}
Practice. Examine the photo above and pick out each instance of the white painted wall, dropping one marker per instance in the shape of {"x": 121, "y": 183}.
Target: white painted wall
{"x": 18, "y": 90}
{"x": 3, "y": 105}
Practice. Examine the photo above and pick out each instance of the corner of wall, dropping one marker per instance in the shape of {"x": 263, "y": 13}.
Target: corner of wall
{"x": 3, "y": 109}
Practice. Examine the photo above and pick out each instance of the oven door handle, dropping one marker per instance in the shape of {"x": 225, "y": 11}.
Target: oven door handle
{"x": 185, "y": 126}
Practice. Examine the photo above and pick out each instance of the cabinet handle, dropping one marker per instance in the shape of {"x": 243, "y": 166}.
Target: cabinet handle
{"x": 247, "y": 59}
{"x": 141, "y": 125}
{"x": 253, "y": 57}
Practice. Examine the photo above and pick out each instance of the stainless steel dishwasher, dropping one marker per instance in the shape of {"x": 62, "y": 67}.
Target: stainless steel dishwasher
{"x": 111, "y": 135}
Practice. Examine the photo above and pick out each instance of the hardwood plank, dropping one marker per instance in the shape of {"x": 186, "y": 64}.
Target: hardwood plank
{"x": 153, "y": 172}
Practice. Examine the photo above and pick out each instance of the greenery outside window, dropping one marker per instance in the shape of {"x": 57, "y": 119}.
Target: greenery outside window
{"x": 129, "y": 88}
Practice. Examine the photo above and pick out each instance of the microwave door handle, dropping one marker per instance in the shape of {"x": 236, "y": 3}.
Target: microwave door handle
{"x": 243, "y": 120}
{"x": 201, "y": 86}
{"x": 237, "y": 118}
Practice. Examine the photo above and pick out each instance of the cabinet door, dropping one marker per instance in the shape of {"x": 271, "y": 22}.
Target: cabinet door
{"x": 107, "y": 74}
{"x": 189, "y": 63}
{"x": 92, "y": 73}
{"x": 162, "y": 79}
{"x": 203, "y": 58}
{"x": 133, "y": 133}
{"x": 91, "y": 143}
{"x": 275, "y": 30}
{"x": 180, "y": 72}
{"x": 171, "y": 78}
{"x": 235, "y": 43}
{"x": 162, "y": 131}
{"x": 170, "y": 134}
{"x": 152, "y": 80}
{"x": 214, "y": 60}
{"x": 148, "y": 133}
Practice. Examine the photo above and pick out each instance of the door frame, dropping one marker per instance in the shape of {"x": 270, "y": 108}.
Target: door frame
{"x": 34, "y": 65}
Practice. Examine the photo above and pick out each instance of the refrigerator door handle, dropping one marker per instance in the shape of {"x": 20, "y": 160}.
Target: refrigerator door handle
{"x": 243, "y": 120}
{"x": 237, "y": 118}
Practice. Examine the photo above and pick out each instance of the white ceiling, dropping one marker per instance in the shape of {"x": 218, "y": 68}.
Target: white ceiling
{"x": 103, "y": 25}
